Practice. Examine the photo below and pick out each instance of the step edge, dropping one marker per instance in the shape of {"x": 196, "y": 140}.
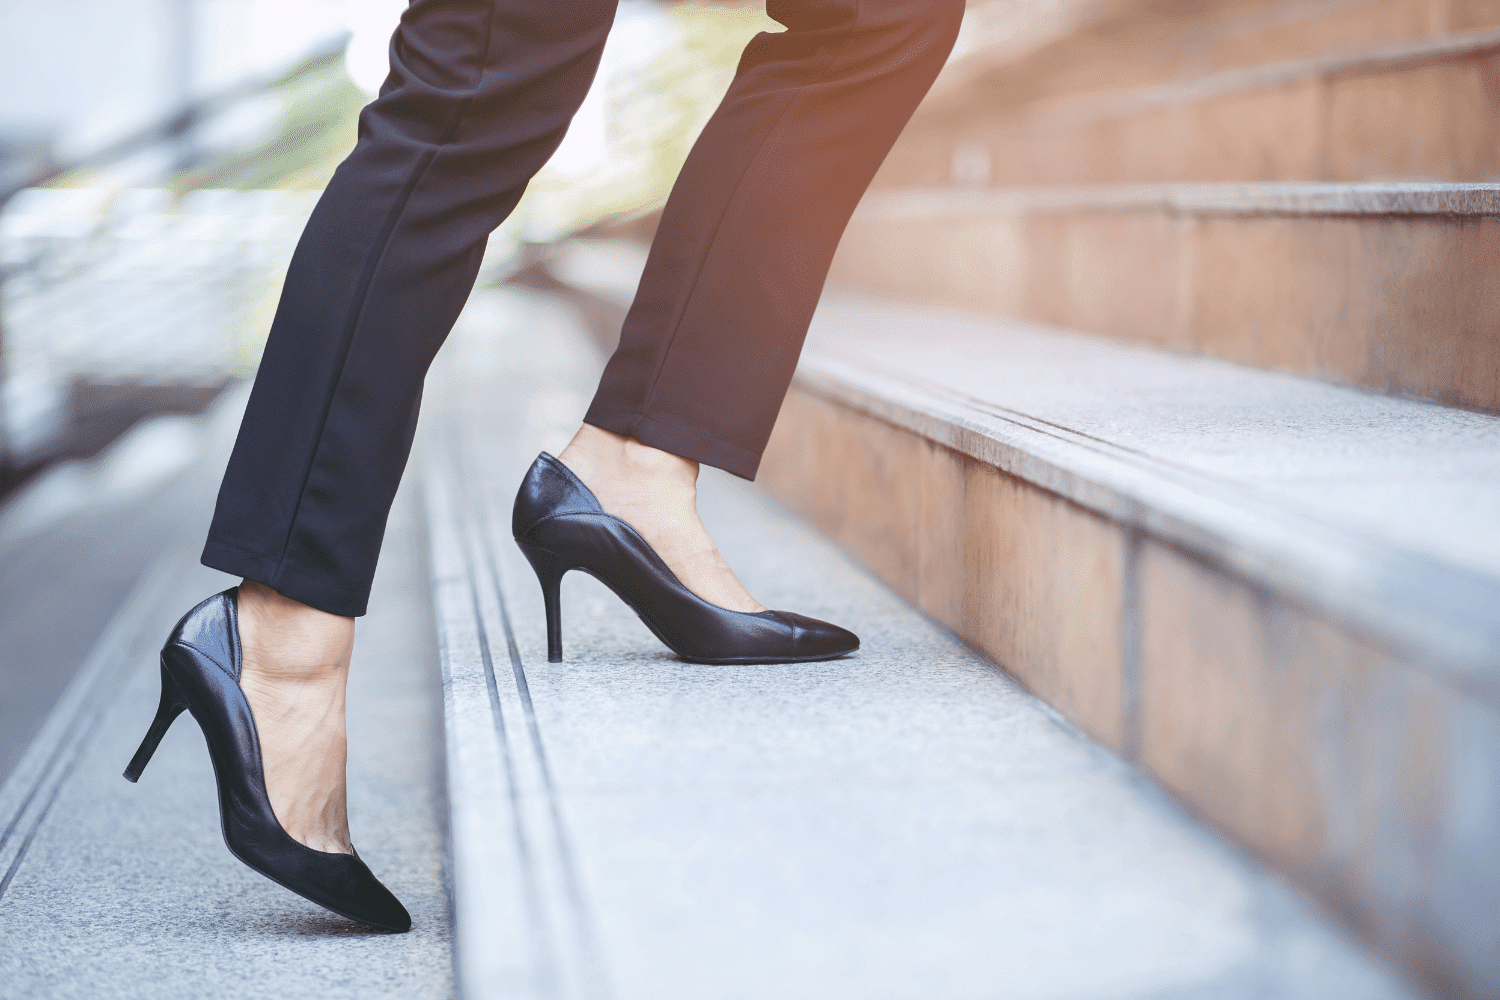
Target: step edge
{"x": 1287, "y": 552}
{"x": 1296, "y": 199}
{"x": 473, "y": 778}
{"x": 1087, "y": 108}
{"x": 46, "y": 766}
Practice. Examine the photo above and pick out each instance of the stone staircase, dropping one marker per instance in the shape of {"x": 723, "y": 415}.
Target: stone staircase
{"x": 906, "y": 822}
{"x": 1131, "y": 383}
{"x": 903, "y": 823}
{"x": 1139, "y": 395}
{"x": 1304, "y": 189}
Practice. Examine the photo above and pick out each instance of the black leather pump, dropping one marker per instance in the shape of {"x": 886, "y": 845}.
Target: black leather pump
{"x": 559, "y": 525}
{"x": 200, "y": 672}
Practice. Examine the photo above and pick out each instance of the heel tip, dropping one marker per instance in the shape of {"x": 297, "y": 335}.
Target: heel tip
{"x": 554, "y": 658}
{"x": 131, "y": 776}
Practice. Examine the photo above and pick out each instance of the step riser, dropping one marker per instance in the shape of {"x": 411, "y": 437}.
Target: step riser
{"x": 1128, "y": 45}
{"x": 1401, "y": 305}
{"x": 1394, "y": 116}
{"x": 1337, "y": 761}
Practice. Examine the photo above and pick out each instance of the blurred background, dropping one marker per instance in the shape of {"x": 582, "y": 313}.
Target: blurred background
{"x": 1270, "y": 226}
{"x": 157, "y": 163}
{"x": 156, "y": 172}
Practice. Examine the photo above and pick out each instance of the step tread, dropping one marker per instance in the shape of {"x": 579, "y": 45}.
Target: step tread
{"x": 1367, "y": 58}
{"x": 1309, "y": 198}
{"x": 112, "y": 889}
{"x": 1385, "y": 509}
{"x": 906, "y": 822}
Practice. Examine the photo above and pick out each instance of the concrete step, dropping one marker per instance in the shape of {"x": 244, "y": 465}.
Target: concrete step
{"x": 1071, "y": 48}
{"x": 1351, "y": 98}
{"x": 1385, "y": 286}
{"x": 1279, "y": 598}
{"x": 905, "y": 822}
{"x": 109, "y": 889}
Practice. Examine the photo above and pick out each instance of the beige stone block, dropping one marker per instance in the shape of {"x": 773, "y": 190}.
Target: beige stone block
{"x": 1399, "y": 305}
{"x": 1264, "y": 134}
{"x": 1425, "y": 123}
{"x": 1223, "y": 716}
{"x": 1342, "y": 763}
{"x": 1150, "y": 42}
{"x": 985, "y": 264}
{"x": 1472, "y": 15}
{"x": 856, "y": 477}
{"x": 1253, "y": 39}
{"x": 1426, "y": 293}
{"x": 1117, "y": 273}
{"x": 1031, "y": 581}
{"x": 1045, "y": 152}
{"x": 1255, "y": 283}
{"x": 1331, "y": 758}
{"x": 891, "y": 257}
{"x": 1258, "y": 135}
{"x": 1105, "y": 272}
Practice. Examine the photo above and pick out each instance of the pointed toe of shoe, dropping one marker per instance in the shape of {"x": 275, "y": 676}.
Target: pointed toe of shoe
{"x": 384, "y": 910}
{"x": 342, "y": 883}
{"x": 820, "y": 640}
{"x": 366, "y": 899}
{"x": 395, "y": 918}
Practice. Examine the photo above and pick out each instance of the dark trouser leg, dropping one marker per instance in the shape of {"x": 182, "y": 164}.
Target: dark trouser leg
{"x": 479, "y": 96}
{"x": 708, "y": 348}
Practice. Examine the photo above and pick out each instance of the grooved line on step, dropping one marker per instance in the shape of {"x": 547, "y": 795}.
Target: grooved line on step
{"x": 469, "y": 537}
{"x": 73, "y": 720}
{"x": 595, "y": 978}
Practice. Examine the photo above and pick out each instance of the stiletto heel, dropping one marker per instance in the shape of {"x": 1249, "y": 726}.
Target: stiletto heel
{"x": 172, "y": 705}
{"x": 549, "y": 572}
{"x": 561, "y": 526}
{"x": 200, "y": 672}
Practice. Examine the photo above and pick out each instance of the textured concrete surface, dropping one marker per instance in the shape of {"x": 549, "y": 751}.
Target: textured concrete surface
{"x": 1295, "y": 604}
{"x": 1395, "y": 303}
{"x": 904, "y": 822}
{"x": 76, "y": 541}
{"x": 119, "y": 890}
{"x": 1370, "y": 89}
{"x": 1381, "y": 511}
{"x": 1410, "y": 198}
{"x": 1299, "y": 444}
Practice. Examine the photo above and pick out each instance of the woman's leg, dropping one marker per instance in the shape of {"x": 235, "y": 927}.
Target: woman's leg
{"x": 479, "y": 95}
{"x": 745, "y": 241}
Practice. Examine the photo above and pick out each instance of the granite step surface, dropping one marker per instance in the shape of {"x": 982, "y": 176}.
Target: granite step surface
{"x": 1348, "y": 95}
{"x": 905, "y": 822}
{"x": 1279, "y": 597}
{"x": 1382, "y": 286}
{"x": 109, "y": 889}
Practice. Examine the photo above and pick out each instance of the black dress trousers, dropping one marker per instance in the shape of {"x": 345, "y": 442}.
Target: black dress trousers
{"x": 479, "y": 96}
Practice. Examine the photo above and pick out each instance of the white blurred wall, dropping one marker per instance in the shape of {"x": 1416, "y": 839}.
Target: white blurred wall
{"x": 82, "y": 73}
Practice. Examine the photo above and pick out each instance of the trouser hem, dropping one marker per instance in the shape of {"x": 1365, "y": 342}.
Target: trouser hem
{"x": 310, "y": 589}
{"x": 688, "y": 442}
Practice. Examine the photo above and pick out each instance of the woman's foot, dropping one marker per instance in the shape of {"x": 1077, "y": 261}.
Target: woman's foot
{"x": 656, "y": 493}
{"x": 295, "y": 661}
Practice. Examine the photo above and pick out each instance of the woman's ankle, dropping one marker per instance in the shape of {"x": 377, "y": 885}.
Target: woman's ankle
{"x": 598, "y": 454}
{"x": 283, "y": 638}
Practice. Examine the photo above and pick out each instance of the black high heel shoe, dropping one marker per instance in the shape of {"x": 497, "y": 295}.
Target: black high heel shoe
{"x": 560, "y": 526}
{"x": 200, "y": 672}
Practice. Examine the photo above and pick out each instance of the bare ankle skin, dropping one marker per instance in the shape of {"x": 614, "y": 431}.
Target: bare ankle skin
{"x": 294, "y": 670}
{"x": 656, "y": 492}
